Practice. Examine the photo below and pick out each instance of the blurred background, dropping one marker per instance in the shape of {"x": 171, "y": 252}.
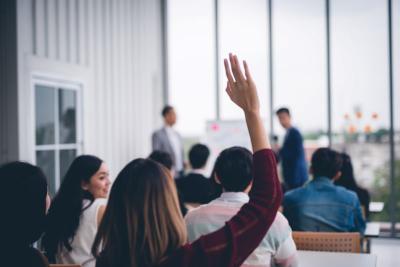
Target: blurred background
{"x": 91, "y": 76}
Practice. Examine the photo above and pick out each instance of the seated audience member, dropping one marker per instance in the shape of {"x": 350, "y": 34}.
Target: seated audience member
{"x": 143, "y": 225}
{"x": 195, "y": 187}
{"x": 76, "y": 212}
{"x": 348, "y": 181}
{"x": 320, "y": 206}
{"x": 23, "y": 204}
{"x": 234, "y": 168}
{"x": 165, "y": 160}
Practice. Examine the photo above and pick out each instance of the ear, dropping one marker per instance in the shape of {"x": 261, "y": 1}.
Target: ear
{"x": 337, "y": 176}
{"x": 84, "y": 185}
{"x": 216, "y": 178}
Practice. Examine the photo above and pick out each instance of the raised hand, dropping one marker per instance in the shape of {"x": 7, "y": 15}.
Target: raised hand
{"x": 241, "y": 88}
{"x": 243, "y": 92}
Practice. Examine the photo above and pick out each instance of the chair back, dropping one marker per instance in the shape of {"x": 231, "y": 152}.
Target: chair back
{"x": 327, "y": 241}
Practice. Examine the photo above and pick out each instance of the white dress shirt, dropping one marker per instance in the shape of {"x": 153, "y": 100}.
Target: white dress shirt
{"x": 276, "y": 249}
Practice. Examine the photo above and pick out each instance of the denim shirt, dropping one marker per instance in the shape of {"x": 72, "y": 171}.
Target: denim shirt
{"x": 321, "y": 206}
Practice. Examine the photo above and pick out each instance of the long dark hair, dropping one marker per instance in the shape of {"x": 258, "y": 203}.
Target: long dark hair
{"x": 142, "y": 223}
{"x": 347, "y": 178}
{"x": 66, "y": 208}
{"x": 23, "y": 213}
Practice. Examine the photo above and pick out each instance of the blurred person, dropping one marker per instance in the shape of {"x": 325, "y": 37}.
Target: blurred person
{"x": 23, "y": 214}
{"x": 143, "y": 226}
{"x": 348, "y": 181}
{"x": 320, "y": 206}
{"x": 234, "y": 171}
{"x": 195, "y": 187}
{"x": 168, "y": 140}
{"x": 76, "y": 212}
{"x": 291, "y": 154}
{"x": 165, "y": 160}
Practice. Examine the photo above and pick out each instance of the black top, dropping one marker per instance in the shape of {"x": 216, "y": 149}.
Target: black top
{"x": 364, "y": 198}
{"x": 194, "y": 187}
{"x": 23, "y": 257}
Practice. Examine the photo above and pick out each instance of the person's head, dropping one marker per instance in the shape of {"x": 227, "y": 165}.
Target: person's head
{"x": 284, "y": 117}
{"x": 24, "y": 212}
{"x": 163, "y": 158}
{"x": 326, "y": 162}
{"x": 234, "y": 169}
{"x": 347, "y": 178}
{"x": 142, "y": 222}
{"x": 169, "y": 115}
{"x": 198, "y": 156}
{"x": 86, "y": 179}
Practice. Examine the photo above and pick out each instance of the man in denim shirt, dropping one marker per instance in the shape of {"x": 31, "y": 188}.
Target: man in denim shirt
{"x": 320, "y": 206}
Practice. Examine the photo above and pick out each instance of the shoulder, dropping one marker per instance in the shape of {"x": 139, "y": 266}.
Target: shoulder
{"x": 294, "y": 194}
{"x": 294, "y": 132}
{"x": 100, "y": 202}
{"x": 347, "y": 195}
{"x": 158, "y": 132}
{"x": 199, "y": 212}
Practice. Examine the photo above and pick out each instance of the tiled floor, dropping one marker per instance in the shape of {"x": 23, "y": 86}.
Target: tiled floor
{"x": 387, "y": 251}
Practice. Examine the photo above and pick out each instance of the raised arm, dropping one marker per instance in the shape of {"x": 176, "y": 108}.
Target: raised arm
{"x": 243, "y": 92}
{"x": 232, "y": 244}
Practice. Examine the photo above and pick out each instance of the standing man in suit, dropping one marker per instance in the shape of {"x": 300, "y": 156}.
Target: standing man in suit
{"x": 294, "y": 166}
{"x": 168, "y": 140}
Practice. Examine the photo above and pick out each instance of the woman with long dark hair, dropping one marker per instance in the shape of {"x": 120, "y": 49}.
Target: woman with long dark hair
{"x": 76, "y": 211}
{"x": 143, "y": 225}
{"x": 23, "y": 214}
{"x": 348, "y": 181}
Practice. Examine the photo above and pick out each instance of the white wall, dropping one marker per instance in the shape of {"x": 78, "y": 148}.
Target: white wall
{"x": 112, "y": 48}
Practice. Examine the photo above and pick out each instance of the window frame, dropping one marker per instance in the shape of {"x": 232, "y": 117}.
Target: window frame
{"x": 58, "y": 85}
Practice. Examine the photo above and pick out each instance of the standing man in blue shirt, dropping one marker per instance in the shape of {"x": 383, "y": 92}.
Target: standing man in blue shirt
{"x": 294, "y": 166}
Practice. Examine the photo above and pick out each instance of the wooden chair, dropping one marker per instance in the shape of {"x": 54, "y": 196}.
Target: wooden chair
{"x": 64, "y": 265}
{"x": 324, "y": 241}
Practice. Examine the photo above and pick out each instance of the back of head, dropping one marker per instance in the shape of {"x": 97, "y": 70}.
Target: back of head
{"x": 67, "y": 206}
{"x": 163, "y": 158}
{"x": 198, "y": 156}
{"x": 234, "y": 169}
{"x": 326, "y": 162}
{"x": 142, "y": 222}
{"x": 347, "y": 178}
{"x": 22, "y": 203}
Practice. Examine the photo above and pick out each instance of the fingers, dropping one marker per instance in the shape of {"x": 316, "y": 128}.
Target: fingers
{"x": 235, "y": 65}
{"x": 228, "y": 72}
{"x": 246, "y": 70}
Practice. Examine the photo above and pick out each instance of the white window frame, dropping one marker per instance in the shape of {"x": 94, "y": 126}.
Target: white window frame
{"x": 58, "y": 84}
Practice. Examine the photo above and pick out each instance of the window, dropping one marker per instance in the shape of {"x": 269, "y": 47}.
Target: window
{"x": 57, "y": 129}
{"x": 360, "y": 93}
{"x": 247, "y": 20}
{"x": 299, "y": 57}
{"x": 191, "y": 64}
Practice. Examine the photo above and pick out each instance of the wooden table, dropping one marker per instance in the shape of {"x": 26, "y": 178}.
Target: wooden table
{"x": 376, "y": 206}
{"x": 335, "y": 259}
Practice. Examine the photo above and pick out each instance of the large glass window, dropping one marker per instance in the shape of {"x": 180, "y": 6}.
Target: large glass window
{"x": 396, "y": 71}
{"x": 56, "y": 129}
{"x": 299, "y": 56}
{"x": 360, "y": 92}
{"x": 243, "y": 31}
{"x": 191, "y": 64}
